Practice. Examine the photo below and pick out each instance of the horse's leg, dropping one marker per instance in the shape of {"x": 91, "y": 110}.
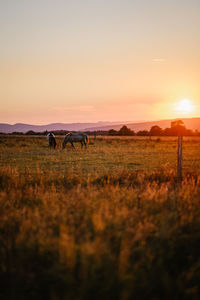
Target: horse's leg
{"x": 64, "y": 145}
{"x": 72, "y": 145}
{"x": 81, "y": 144}
{"x": 85, "y": 144}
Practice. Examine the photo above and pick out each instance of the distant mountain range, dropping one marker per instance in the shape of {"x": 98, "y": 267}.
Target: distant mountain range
{"x": 190, "y": 123}
{"x": 20, "y": 127}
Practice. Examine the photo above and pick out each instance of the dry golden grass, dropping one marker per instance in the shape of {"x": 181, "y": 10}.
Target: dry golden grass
{"x": 110, "y": 222}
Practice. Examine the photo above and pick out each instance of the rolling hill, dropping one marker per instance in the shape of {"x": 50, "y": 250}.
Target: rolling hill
{"x": 21, "y": 127}
{"x": 190, "y": 123}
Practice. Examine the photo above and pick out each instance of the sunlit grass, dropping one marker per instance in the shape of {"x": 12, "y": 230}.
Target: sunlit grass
{"x": 109, "y": 222}
{"x": 101, "y": 155}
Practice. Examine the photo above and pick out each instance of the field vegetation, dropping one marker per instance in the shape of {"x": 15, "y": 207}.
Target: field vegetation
{"x": 108, "y": 222}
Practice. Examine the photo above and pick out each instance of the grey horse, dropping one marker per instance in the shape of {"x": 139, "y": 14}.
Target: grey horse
{"x": 75, "y": 137}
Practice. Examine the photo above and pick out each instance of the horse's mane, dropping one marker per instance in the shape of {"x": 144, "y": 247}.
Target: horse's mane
{"x": 70, "y": 133}
{"x": 75, "y": 133}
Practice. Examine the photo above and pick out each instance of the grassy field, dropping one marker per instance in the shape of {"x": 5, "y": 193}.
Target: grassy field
{"x": 109, "y": 222}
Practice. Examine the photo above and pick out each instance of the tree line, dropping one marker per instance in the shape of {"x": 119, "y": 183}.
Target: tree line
{"x": 155, "y": 131}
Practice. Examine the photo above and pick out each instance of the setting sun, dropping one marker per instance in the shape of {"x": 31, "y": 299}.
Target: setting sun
{"x": 184, "y": 106}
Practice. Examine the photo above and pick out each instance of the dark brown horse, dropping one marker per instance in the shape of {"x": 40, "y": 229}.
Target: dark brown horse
{"x": 52, "y": 140}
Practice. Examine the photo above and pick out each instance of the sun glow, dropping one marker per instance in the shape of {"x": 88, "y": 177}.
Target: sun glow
{"x": 184, "y": 106}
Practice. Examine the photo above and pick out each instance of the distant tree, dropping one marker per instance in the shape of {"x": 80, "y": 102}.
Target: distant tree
{"x": 17, "y": 133}
{"x": 156, "y": 130}
{"x": 143, "y": 133}
{"x": 30, "y": 132}
{"x": 177, "y": 123}
{"x": 124, "y": 130}
{"x": 112, "y": 132}
{"x": 178, "y": 127}
{"x": 178, "y": 130}
{"x": 189, "y": 132}
{"x": 167, "y": 132}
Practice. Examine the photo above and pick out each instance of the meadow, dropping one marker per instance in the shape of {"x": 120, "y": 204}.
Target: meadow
{"x": 108, "y": 222}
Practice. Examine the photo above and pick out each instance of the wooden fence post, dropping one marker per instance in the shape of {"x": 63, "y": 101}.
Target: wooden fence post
{"x": 179, "y": 158}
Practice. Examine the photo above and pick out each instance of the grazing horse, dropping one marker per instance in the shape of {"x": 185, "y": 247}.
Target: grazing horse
{"x": 52, "y": 140}
{"x": 75, "y": 137}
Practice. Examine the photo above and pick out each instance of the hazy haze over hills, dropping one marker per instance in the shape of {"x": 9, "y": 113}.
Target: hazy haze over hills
{"x": 21, "y": 127}
{"x": 190, "y": 123}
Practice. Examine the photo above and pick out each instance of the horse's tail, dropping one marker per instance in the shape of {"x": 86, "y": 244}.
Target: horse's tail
{"x": 55, "y": 144}
{"x": 86, "y": 139}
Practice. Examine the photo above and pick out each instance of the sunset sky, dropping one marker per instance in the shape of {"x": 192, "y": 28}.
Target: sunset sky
{"x": 95, "y": 60}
